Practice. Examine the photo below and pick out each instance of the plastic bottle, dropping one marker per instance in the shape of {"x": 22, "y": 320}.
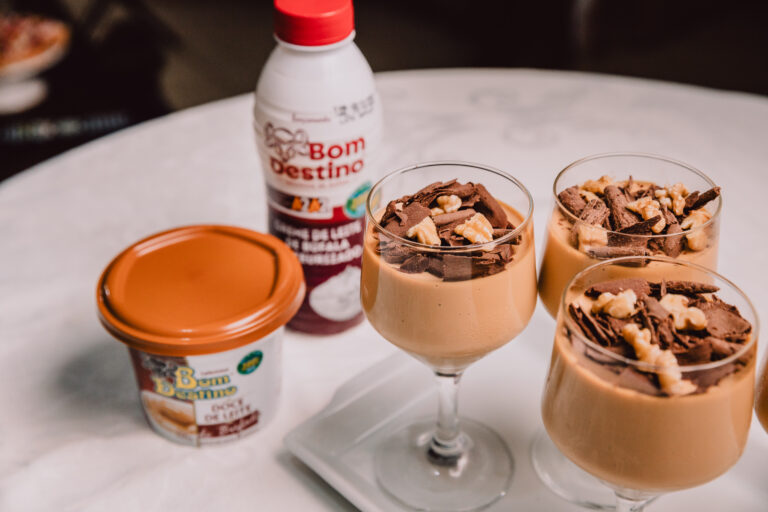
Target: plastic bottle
{"x": 317, "y": 119}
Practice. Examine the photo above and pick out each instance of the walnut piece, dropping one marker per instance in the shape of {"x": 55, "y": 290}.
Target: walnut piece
{"x": 597, "y": 186}
{"x": 477, "y": 229}
{"x": 618, "y": 306}
{"x": 587, "y": 195}
{"x": 678, "y": 193}
{"x": 425, "y": 232}
{"x": 436, "y": 211}
{"x": 449, "y": 203}
{"x": 648, "y": 207}
{"x": 670, "y": 376}
{"x": 399, "y": 207}
{"x": 591, "y": 236}
{"x": 698, "y": 239}
{"x": 684, "y": 317}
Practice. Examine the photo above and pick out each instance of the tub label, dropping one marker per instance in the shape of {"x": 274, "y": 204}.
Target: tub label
{"x": 210, "y": 398}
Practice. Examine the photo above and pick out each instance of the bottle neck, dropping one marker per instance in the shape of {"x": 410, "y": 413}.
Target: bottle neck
{"x": 316, "y": 49}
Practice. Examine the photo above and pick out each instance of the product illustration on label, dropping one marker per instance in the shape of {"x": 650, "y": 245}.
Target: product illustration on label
{"x": 285, "y": 143}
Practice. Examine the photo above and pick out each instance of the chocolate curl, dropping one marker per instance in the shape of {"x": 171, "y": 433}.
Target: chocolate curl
{"x": 703, "y": 199}
{"x": 617, "y": 202}
{"x": 572, "y": 200}
{"x": 639, "y": 286}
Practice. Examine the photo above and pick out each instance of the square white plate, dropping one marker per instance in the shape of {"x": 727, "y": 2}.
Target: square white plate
{"x": 503, "y": 391}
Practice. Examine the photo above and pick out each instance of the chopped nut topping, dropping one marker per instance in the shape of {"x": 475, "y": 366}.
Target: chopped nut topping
{"x": 591, "y": 236}
{"x": 399, "y": 207}
{"x": 477, "y": 229}
{"x": 670, "y": 376}
{"x": 434, "y": 212}
{"x": 618, "y": 306}
{"x": 587, "y": 195}
{"x": 449, "y": 203}
{"x": 678, "y": 192}
{"x": 597, "y": 187}
{"x": 425, "y": 232}
{"x": 684, "y": 317}
{"x": 648, "y": 208}
{"x": 697, "y": 240}
{"x": 634, "y": 187}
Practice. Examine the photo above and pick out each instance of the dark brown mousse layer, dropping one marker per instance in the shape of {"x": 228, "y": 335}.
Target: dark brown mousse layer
{"x": 610, "y": 211}
{"x": 404, "y": 213}
{"x": 725, "y": 333}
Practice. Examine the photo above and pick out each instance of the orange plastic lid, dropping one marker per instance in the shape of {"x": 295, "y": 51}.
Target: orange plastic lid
{"x": 199, "y": 290}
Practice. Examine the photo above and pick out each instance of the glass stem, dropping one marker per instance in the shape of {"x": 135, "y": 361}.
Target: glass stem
{"x": 624, "y": 504}
{"x": 447, "y": 445}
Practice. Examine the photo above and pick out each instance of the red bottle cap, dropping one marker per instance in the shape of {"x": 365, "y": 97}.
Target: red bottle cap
{"x": 313, "y": 22}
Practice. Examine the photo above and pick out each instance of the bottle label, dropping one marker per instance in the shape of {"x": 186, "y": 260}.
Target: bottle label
{"x": 317, "y": 171}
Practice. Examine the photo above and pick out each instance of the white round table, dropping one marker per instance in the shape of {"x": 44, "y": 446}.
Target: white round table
{"x": 72, "y": 436}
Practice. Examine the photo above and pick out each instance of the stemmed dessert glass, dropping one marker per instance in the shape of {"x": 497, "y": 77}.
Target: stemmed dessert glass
{"x": 448, "y": 324}
{"x": 638, "y": 443}
{"x": 563, "y": 259}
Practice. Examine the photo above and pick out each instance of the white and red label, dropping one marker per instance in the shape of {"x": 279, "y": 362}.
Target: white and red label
{"x": 318, "y": 173}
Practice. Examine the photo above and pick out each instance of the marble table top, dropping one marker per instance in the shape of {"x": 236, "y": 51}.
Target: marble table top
{"x": 72, "y": 436}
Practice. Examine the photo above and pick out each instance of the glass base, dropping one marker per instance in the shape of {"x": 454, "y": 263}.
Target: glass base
{"x": 566, "y": 479}
{"x": 481, "y": 476}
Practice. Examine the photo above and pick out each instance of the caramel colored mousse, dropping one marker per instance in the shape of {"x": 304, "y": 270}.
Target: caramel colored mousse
{"x": 645, "y": 423}
{"x": 604, "y": 219}
{"x": 449, "y": 308}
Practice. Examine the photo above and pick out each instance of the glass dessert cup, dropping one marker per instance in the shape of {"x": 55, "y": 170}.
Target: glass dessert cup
{"x": 447, "y": 321}
{"x": 564, "y": 258}
{"x": 761, "y": 399}
{"x": 639, "y": 442}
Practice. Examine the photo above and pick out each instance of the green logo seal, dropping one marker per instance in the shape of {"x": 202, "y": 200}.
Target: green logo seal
{"x": 355, "y": 205}
{"x": 250, "y": 362}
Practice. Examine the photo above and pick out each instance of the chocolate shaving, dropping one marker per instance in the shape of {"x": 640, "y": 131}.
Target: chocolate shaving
{"x": 673, "y": 245}
{"x": 654, "y": 308}
{"x": 643, "y": 227}
{"x": 406, "y": 218}
{"x": 643, "y": 382}
{"x": 690, "y": 287}
{"x": 395, "y": 253}
{"x": 691, "y": 200}
{"x": 703, "y": 199}
{"x": 457, "y": 268}
{"x": 595, "y": 212}
{"x": 617, "y": 203}
{"x": 416, "y": 264}
{"x": 435, "y": 266}
{"x": 389, "y": 213}
{"x": 724, "y": 321}
{"x": 699, "y": 353}
{"x": 498, "y": 233}
{"x": 706, "y": 378}
{"x": 453, "y": 217}
{"x": 665, "y": 331}
{"x": 639, "y": 286}
{"x": 646, "y": 321}
{"x": 721, "y": 348}
{"x": 491, "y": 208}
{"x": 616, "y": 251}
{"x": 572, "y": 200}
{"x": 591, "y": 328}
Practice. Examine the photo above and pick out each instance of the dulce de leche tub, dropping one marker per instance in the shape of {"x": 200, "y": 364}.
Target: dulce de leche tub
{"x": 202, "y": 310}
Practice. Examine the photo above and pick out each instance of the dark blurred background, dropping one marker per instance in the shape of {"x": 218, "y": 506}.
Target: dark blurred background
{"x": 131, "y": 60}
